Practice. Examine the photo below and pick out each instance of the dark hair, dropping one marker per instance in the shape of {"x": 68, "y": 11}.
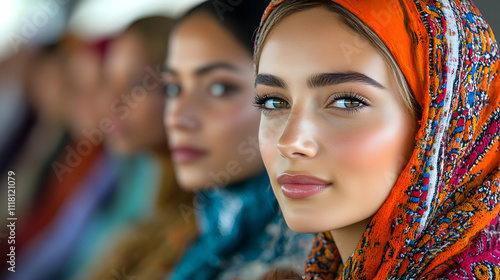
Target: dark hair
{"x": 240, "y": 17}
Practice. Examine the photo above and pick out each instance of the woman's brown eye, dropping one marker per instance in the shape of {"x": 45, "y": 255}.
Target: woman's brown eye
{"x": 347, "y": 103}
{"x": 274, "y": 103}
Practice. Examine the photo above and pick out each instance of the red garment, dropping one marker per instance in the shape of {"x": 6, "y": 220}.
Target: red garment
{"x": 59, "y": 188}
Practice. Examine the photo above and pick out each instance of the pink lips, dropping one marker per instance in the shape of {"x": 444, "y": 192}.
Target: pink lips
{"x": 183, "y": 154}
{"x": 301, "y": 186}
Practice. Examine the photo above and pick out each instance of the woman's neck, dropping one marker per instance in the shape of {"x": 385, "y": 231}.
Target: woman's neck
{"x": 347, "y": 238}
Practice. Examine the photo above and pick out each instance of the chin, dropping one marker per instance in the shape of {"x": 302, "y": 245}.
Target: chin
{"x": 305, "y": 224}
{"x": 190, "y": 185}
{"x": 123, "y": 150}
{"x": 188, "y": 181}
{"x": 120, "y": 146}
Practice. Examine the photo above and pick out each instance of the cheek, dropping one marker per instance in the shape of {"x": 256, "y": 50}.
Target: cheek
{"x": 270, "y": 130}
{"x": 232, "y": 123}
{"x": 267, "y": 146}
{"x": 147, "y": 116}
{"x": 269, "y": 133}
{"x": 374, "y": 152}
{"x": 232, "y": 136}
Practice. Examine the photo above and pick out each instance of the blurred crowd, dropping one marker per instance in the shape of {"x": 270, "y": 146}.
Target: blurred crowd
{"x": 86, "y": 141}
{"x": 96, "y": 192}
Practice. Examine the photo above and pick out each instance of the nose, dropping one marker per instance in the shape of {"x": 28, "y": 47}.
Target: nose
{"x": 298, "y": 137}
{"x": 181, "y": 112}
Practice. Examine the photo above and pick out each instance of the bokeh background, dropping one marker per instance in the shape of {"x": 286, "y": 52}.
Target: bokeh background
{"x": 43, "y": 21}
{"x": 97, "y": 18}
{"x": 490, "y": 10}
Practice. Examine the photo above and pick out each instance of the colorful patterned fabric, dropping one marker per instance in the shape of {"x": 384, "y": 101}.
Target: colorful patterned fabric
{"x": 441, "y": 218}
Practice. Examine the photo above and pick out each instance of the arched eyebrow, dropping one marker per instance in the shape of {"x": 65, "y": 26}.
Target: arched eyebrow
{"x": 320, "y": 80}
{"x": 270, "y": 80}
{"x": 327, "y": 79}
{"x": 206, "y": 68}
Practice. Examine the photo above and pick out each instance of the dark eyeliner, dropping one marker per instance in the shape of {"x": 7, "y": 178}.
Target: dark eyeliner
{"x": 349, "y": 95}
{"x": 259, "y": 102}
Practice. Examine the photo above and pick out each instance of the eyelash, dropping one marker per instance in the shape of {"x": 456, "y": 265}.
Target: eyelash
{"x": 350, "y": 95}
{"x": 259, "y": 101}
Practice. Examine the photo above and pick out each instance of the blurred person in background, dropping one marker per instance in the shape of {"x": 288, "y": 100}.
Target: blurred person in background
{"x": 79, "y": 178}
{"x": 31, "y": 136}
{"x": 133, "y": 103}
{"x": 42, "y": 89}
{"x": 212, "y": 131}
{"x": 43, "y": 142}
{"x": 87, "y": 200}
{"x": 17, "y": 117}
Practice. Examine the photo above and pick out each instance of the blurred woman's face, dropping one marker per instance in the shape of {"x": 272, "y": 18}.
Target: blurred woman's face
{"x": 132, "y": 98}
{"x": 84, "y": 72}
{"x": 212, "y": 126}
{"x": 334, "y": 133}
{"x": 48, "y": 84}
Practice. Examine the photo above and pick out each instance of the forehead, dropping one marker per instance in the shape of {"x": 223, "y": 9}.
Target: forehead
{"x": 126, "y": 53}
{"x": 199, "y": 40}
{"x": 315, "y": 40}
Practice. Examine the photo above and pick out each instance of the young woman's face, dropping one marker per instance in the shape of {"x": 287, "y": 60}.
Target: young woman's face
{"x": 132, "y": 98}
{"x": 334, "y": 133}
{"x": 212, "y": 126}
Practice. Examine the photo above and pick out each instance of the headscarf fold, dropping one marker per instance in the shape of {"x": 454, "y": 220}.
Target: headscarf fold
{"x": 441, "y": 218}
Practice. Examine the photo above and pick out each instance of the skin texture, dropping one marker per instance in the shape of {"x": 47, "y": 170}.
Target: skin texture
{"x": 132, "y": 98}
{"x": 224, "y": 127}
{"x": 360, "y": 151}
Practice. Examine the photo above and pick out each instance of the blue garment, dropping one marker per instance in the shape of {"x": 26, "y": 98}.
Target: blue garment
{"x": 241, "y": 230}
{"x": 47, "y": 254}
{"x": 138, "y": 181}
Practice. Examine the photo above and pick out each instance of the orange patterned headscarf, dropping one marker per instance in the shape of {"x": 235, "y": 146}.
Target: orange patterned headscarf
{"x": 441, "y": 218}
